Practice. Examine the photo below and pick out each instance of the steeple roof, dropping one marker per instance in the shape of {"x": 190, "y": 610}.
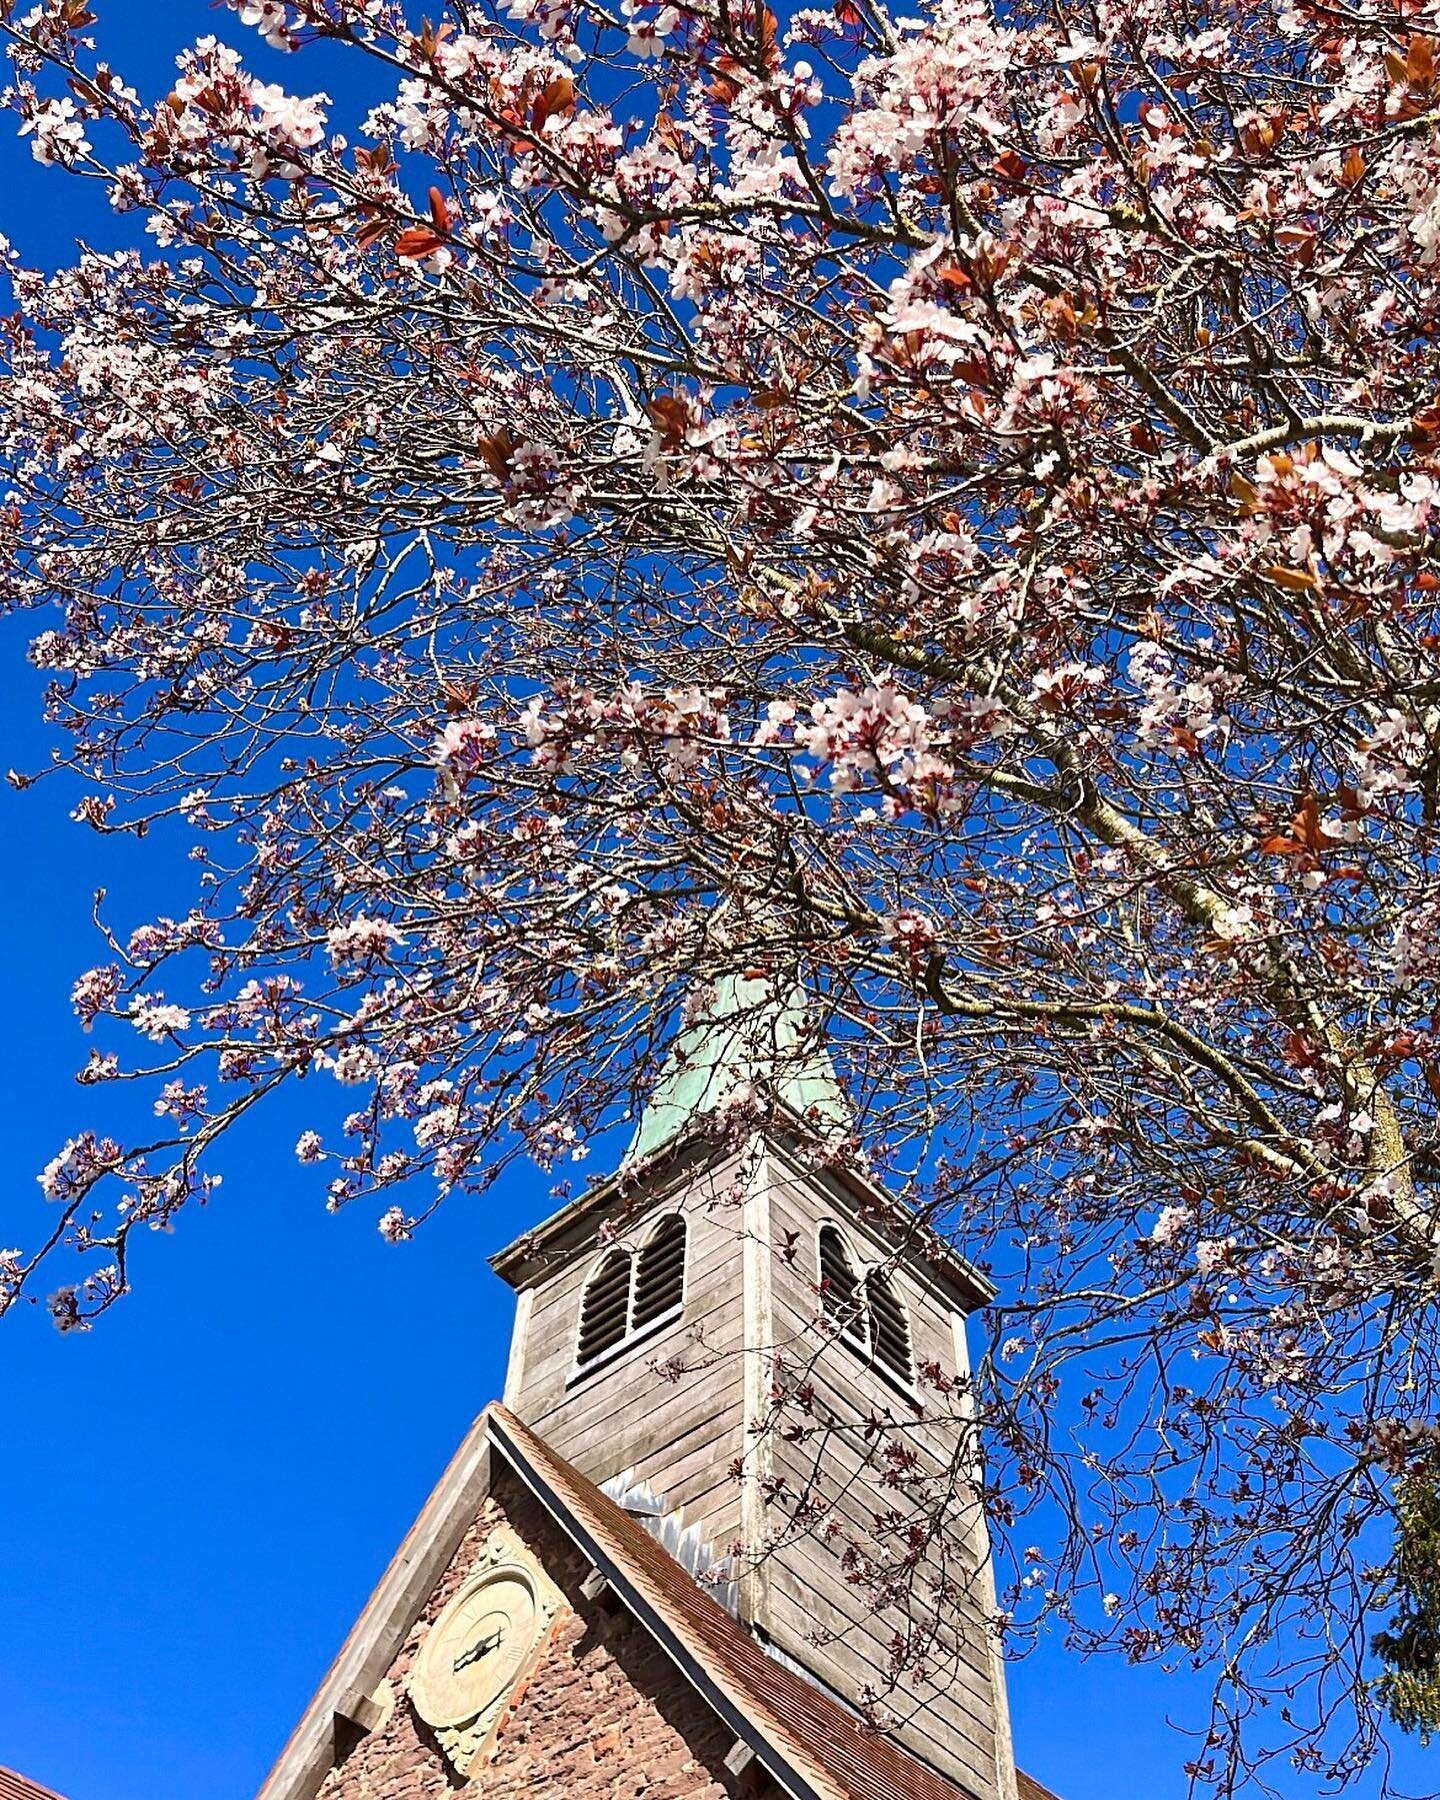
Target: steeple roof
{"x": 743, "y": 1039}
{"x": 746, "y": 1038}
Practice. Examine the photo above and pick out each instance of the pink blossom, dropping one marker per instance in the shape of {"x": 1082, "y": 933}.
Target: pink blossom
{"x": 287, "y": 119}
{"x": 395, "y": 1227}
{"x": 1214, "y": 1255}
{"x": 96, "y": 992}
{"x": 270, "y": 18}
{"x": 362, "y": 940}
{"x": 59, "y": 132}
{"x": 1171, "y": 1225}
{"x": 159, "y": 1019}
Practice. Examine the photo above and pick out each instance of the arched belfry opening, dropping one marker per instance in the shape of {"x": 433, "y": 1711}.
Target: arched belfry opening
{"x": 605, "y": 1307}
{"x": 660, "y": 1273}
{"x": 840, "y": 1299}
{"x": 659, "y": 1314}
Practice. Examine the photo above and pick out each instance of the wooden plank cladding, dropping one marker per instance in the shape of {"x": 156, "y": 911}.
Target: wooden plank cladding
{"x": 660, "y": 1317}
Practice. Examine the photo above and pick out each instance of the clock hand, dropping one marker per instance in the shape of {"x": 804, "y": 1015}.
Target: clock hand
{"x": 483, "y": 1648}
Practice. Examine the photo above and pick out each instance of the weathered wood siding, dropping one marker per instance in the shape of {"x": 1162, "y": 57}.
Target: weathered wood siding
{"x": 752, "y": 1308}
{"x": 815, "y": 1615}
{"x": 670, "y": 1407}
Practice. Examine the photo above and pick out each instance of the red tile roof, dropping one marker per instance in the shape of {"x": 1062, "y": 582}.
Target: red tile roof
{"x": 1028, "y": 1788}
{"x": 812, "y": 1731}
{"x": 17, "y": 1787}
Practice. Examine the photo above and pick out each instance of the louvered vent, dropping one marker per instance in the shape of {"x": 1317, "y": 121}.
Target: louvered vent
{"x": 660, "y": 1276}
{"x": 839, "y": 1290}
{"x": 889, "y": 1328}
{"x": 605, "y": 1310}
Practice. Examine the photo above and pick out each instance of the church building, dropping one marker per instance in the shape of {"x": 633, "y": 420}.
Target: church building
{"x": 671, "y": 1562}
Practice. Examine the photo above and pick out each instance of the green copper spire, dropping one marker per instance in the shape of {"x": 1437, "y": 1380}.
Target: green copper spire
{"x": 747, "y": 1038}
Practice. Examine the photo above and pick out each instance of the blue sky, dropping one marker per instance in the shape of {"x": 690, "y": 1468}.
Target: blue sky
{"x": 196, "y": 1498}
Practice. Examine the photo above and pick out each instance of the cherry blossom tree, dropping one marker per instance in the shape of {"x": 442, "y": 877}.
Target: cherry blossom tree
{"x": 937, "y": 512}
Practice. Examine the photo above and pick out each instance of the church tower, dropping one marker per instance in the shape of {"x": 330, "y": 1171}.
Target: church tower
{"x": 726, "y": 1263}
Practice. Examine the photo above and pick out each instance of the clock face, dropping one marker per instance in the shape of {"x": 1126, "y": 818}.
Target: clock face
{"x": 476, "y": 1648}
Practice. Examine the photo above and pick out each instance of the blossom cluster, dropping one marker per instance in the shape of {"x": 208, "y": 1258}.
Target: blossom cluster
{"x": 935, "y": 514}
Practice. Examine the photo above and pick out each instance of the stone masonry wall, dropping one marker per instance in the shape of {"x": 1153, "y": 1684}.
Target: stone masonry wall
{"x": 603, "y": 1716}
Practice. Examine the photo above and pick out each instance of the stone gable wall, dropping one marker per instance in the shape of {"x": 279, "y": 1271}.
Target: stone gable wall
{"x": 602, "y": 1716}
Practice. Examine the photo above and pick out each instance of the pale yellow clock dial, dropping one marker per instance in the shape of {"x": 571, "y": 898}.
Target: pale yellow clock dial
{"x": 476, "y": 1649}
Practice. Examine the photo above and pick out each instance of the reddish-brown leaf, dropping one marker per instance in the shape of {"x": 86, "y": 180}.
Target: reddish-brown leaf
{"x": 672, "y": 415}
{"x": 1298, "y": 239}
{"x": 431, "y": 39}
{"x": 556, "y": 98}
{"x": 459, "y": 697}
{"x": 1307, "y": 827}
{"x": 667, "y": 132}
{"x": 1307, "y": 834}
{"x": 1300, "y": 1051}
{"x": 1349, "y": 801}
{"x": 956, "y": 279}
{"x": 724, "y": 83}
{"x": 1272, "y": 127}
{"x": 769, "y": 33}
{"x": 367, "y": 234}
{"x": 497, "y": 452}
{"x": 419, "y": 241}
{"x": 1297, "y": 581}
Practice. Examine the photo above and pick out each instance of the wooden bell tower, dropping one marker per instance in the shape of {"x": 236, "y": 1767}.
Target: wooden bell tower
{"x": 656, "y": 1316}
